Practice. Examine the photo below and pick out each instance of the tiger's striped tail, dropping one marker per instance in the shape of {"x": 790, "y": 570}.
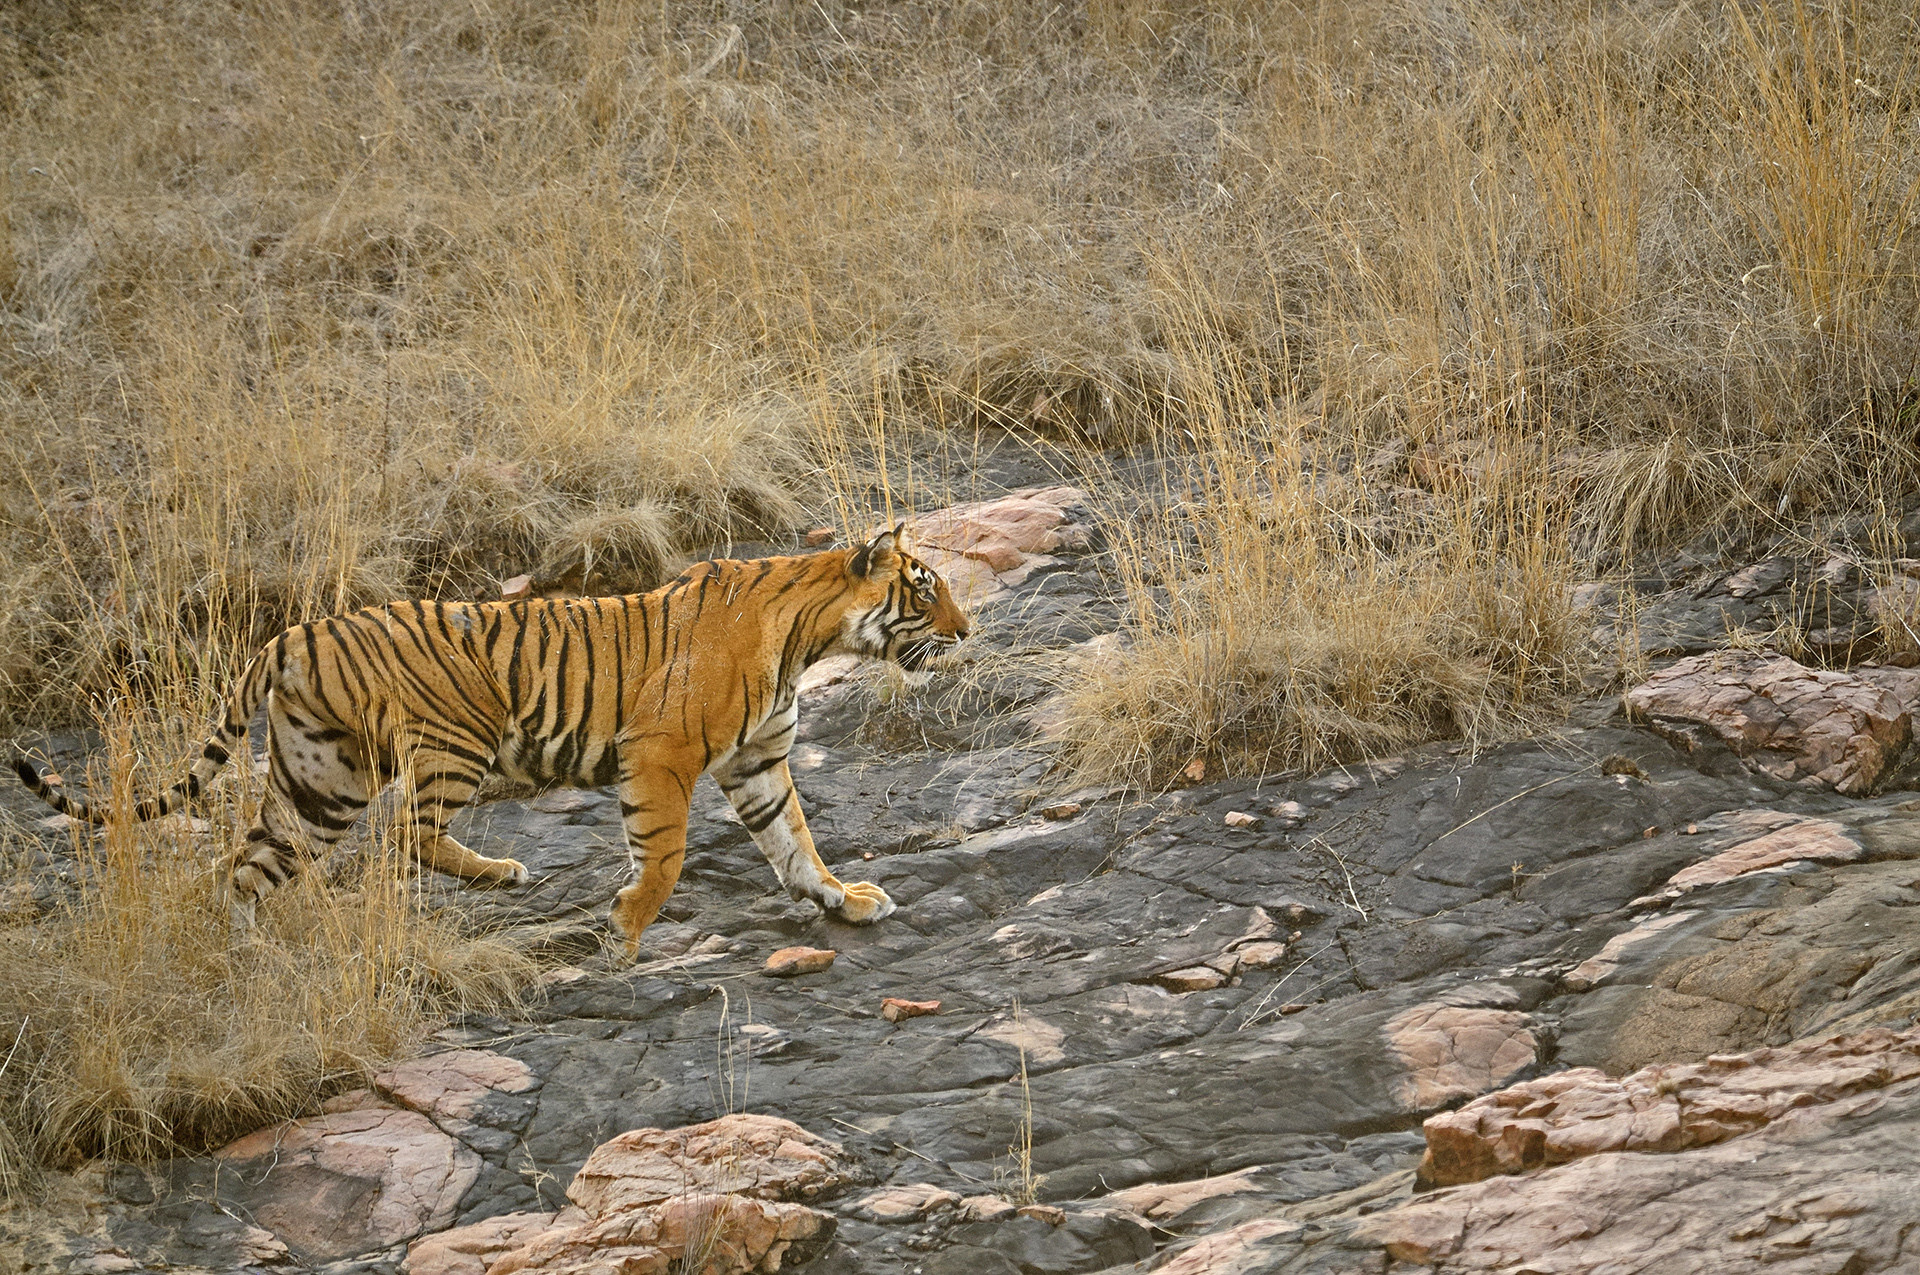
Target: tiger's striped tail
{"x": 252, "y": 687}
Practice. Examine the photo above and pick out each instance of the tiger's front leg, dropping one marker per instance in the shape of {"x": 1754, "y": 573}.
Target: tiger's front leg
{"x": 762, "y": 793}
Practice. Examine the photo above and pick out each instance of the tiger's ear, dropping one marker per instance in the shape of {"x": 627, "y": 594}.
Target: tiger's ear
{"x": 880, "y": 554}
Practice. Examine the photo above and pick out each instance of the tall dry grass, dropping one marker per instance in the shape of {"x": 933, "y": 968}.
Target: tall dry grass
{"x": 460, "y": 291}
{"x": 139, "y": 1026}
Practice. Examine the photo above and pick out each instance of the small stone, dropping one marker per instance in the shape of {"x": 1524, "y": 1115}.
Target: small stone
{"x": 985, "y": 1208}
{"x": 1693, "y": 830}
{"x": 1290, "y": 813}
{"x": 1241, "y": 819}
{"x": 1047, "y": 1213}
{"x": 1648, "y": 834}
{"x": 893, "y": 1008}
{"x": 1060, "y": 810}
{"x": 789, "y": 961}
{"x": 1195, "y": 770}
{"x": 819, "y": 536}
{"x": 1196, "y": 978}
{"x": 1294, "y": 1007}
{"x": 515, "y": 589}
{"x": 1262, "y": 956}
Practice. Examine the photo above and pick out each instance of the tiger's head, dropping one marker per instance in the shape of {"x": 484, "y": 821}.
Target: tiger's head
{"x": 902, "y": 611}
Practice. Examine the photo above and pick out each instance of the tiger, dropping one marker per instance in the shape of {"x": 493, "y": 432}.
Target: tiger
{"x": 645, "y": 692}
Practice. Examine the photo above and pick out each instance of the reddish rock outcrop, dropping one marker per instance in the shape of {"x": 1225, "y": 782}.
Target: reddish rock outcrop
{"x": 1827, "y": 1186}
{"x": 761, "y": 1156}
{"x": 450, "y": 1087}
{"x": 711, "y": 1199}
{"x": 984, "y": 548}
{"x": 1663, "y": 1108}
{"x": 350, "y": 1182}
{"x": 789, "y": 962}
{"x": 1456, "y": 1051}
{"x": 1798, "y": 724}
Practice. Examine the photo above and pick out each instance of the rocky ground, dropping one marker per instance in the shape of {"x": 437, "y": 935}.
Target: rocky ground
{"x": 1666, "y": 962}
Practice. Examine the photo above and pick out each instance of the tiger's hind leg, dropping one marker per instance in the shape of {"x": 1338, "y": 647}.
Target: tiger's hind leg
{"x": 440, "y": 782}
{"x": 318, "y": 782}
{"x": 653, "y": 810}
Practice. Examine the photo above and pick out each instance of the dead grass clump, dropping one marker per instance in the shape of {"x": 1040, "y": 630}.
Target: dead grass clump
{"x": 145, "y": 1029}
{"x": 1284, "y": 620}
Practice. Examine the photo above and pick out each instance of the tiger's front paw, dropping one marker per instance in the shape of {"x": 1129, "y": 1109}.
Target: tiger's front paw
{"x": 504, "y": 872}
{"x": 629, "y": 918}
{"x": 864, "y": 903}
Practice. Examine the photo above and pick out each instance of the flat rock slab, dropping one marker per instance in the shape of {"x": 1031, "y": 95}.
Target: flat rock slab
{"x": 336, "y": 1185}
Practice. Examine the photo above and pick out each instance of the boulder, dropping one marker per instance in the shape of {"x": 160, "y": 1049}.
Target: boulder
{"x": 708, "y": 1199}
{"x": 1825, "y": 1186}
{"x": 1817, "y": 727}
{"x": 761, "y": 1156}
{"x": 1662, "y": 1108}
{"x": 984, "y": 548}
{"x": 346, "y": 1183}
{"x": 694, "y": 1234}
{"x": 470, "y": 1250}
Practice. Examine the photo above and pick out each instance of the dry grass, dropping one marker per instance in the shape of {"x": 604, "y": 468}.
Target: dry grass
{"x": 410, "y": 297}
{"x": 1425, "y": 307}
{"x": 140, "y": 1027}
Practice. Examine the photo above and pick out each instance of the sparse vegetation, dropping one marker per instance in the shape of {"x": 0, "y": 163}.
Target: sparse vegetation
{"x": 1424, "y": 308}
{"x": 139, "y": 1025}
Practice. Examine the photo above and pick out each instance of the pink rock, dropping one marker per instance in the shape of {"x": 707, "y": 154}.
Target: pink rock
{"x": 1198, "y": 978}
{"x": 894, "y": 1009}
{"x": 1159, "y": 1201}
{"x": 762, "y": 1156}
{"x": 470, "y": 1250}
{"x": 691, "y": 1234}
{"x": 905, "y": 1203}
{"x": 1261, "y": 956}
{"x": 709, "y": 1199}
{"x": 1825, "y": 1185}
{"x": 1232, "y": 1252}
{"x": 1455, "y": 1051}
{"x": 1590, "y": 972}
{"x": 339, "y": 1184}
{"x": 983, "y": 547}
{"x": 1758, "y": 840}
{"x": 1803, "y": 725}
{"x": 985, "y": 1208}
{"x": 791, "y": 961}
{"x": 1663, "y": 1108}
{"x": 450, "y": 1086}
